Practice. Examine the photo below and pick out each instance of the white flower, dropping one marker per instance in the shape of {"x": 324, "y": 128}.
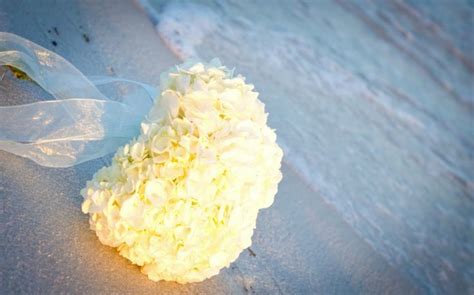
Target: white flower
{"x": 182, "y": 199}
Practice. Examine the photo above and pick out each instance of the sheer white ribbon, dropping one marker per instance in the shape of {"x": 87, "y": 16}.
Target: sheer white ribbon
{"x": 82, "y": 123}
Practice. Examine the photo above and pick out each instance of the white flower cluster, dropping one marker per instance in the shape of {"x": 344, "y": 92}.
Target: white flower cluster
{"x": 182, "y": 199}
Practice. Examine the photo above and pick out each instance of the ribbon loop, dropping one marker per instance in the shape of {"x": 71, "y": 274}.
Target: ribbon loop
{"x": 82, "y": 123}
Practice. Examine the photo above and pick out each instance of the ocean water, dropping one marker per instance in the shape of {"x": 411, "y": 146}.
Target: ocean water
{"x": 373, "y": 103}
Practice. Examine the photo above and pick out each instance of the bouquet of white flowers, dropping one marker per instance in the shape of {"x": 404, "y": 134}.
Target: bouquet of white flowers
{"x": 180, "y": 200}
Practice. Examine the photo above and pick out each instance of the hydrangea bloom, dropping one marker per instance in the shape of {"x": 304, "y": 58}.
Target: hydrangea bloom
{"x": 182, "y": 199}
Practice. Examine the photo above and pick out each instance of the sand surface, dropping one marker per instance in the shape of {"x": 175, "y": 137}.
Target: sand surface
{"x": 300, "y": 246}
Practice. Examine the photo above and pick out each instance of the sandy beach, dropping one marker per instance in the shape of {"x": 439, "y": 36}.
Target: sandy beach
{"x": 301, "y": 244}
